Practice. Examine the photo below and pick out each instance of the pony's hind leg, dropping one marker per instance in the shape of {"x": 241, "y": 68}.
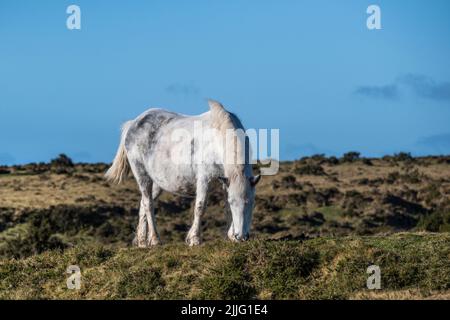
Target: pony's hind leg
{"x": 149, "y": 206}
{"x": 146, "y": 231}
{"x": 153, "y": 236}
{"x": 142, "y": 230}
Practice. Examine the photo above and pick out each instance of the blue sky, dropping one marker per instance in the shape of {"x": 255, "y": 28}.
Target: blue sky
{"x": 310, "y": 68}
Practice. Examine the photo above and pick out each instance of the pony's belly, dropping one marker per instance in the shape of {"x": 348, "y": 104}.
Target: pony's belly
{"x": 181, "y": 189}
{"x": 179, "y": 180}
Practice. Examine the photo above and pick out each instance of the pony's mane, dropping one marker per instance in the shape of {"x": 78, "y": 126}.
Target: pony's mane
{"x": 223, "y": 120}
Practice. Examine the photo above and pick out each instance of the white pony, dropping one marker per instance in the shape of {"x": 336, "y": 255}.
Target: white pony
{"x": 166, "y": 151}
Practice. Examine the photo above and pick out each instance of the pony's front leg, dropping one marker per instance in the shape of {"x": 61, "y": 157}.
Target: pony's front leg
{"x": 194, "y": 238}
{"x": 230, "y": 233}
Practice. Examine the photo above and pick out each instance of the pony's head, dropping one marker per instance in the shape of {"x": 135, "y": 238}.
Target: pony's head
{"x": 239, "y": 181}
{"x": 241, "y": 199}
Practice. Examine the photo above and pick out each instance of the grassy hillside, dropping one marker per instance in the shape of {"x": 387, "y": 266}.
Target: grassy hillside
{"x": 318, "y": 225}
{"x": 412, "y": 266}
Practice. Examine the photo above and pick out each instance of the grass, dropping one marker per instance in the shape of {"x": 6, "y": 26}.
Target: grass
{"x": 331, "y": 212}
{"x": 413, "y": 265}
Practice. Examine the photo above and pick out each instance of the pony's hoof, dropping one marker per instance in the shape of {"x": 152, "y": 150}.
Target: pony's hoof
{"x": 154, "y": 242}
{"x": 193, "y": 241}
{"x": 139, "y": 243}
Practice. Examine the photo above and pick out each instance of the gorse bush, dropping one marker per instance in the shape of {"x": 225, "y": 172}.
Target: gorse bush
{"x": 62, "y": 164}
{"x": 59, "y": 227}
{"x": 40, "y": 237}
{"x": 438, "y": 221}
{"x": 62, "y": 161}
{"x": 403, "y": 157}
{"x": 280, "y": 268}
{"x": 351, "y": 156}
{"x": 141, "y": 283}
{"x": 229, "y": 279}
{"x": 4, "y": 170}
{"x": 309, "y": 169}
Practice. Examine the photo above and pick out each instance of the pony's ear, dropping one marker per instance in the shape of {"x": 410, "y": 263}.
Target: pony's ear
{"x": 224, "y": 180}
{"x": 215, "y": 105}
{"x": 254, "y": 180}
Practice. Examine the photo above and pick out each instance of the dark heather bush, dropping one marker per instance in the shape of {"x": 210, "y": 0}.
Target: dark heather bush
{"x": 351, "y": 156}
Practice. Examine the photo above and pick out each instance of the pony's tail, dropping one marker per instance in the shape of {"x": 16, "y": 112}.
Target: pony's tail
{"x": 120, "y": 167}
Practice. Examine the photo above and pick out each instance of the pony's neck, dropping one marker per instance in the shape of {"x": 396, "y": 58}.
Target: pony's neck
{"x": 230, "y": 128}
